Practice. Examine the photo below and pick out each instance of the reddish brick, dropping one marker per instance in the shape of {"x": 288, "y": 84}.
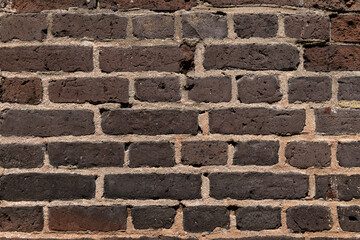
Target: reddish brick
{"x": 341, "y": 187}
{"x": 349, "y": 218}
{"x": 261, "y": 153}
{"x": 307, "y": 26}
{"x": 332, "y": 58}
{"x": 46, "y": 58}
{"x": 154, "y": 217}
{"x": 21, "y": 156}
{"x": 46, "y": 123}
{"x": 94, "y": 26}
{"x": 153, "y": 26}
{"x": 204, "y": 153}
{"x": 348, "y": 154}
{"x": 338, "y": 5}
{"x": 21, "y": 90}
{"x": 21, "y": 219}
{"x": 308, "y": 218}
{"x": 92, "y": 90}
{"x": 225, "y": 3}
{"x": 283, "y": 57}
{"x": 158, "y": 5}
{"x": 349, "y": 89}
{"x": 24, "y": 27}
{"x": 94, "y": 218}
{"x": 309, "y": 89}
{"x": 157, "y": 89}
{"x": 258, "y": 218}
{"x": 345, "y": 28}
{"x": 210, "y": 89}
{"x": 255, "y": 25}
{"x": 37, "y": 6}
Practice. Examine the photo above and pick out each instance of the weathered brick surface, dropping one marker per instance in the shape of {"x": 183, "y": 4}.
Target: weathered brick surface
{"x": 157, "y": 89}
{"x": 151, "y": 154}
{"x": 21, "y": 90}
{"x": 255, "y": 25}
{"x": 334, "y": 5}
{"x": 21, "y": 219}
{"x": 153, "y": 26}
{"x": 223, "y": 3}
{"x": 204, "y": 153}
{"x": 262, "y": 153}
{"x": 345, "y": 28}
{"x": 153, "y": 217}
{"x": 37, "y": 6}
{"x": 157, "y": 5}
{"x": 309, "y": 89}
{"x": 349, "y": 88}
{"x": 348, "y": 154}
{"x": 340, "y": 187}
{"x": 349, "y": 218}
{"x": 258, "y": 218}
{"x": 21, "y": 155}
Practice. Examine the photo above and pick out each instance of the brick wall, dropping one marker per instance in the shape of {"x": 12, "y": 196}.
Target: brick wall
{"x": 180, "y": 119}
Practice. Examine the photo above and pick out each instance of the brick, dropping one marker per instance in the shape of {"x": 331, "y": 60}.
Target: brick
{"x": 261, "y": 153}
{"x": 226, "y": 3}
{"x": 255, "y": 25}
{"x": 46, "y": 58}
{"x": 157, "y": 5}
{"x": 92, "y": 90}
{"x": 158, "y": 237}
{"x": 337, "y": 121}
{"x": 157, "y": 89}
{"x": 205, "y": 218}
{"x": 337, "y": 5}
{"x": 345, "y": 28}
{"x": 308, "y": 154}
{"x": 349, "y": 89}
{"x": 342, "y": 187}
{"x": 46, "y": 123}
{"x": 21, "y": 155}
{"x": 257, "y": 121}
{"x": 21, "y": 219}
{"x": 153, "y": 217}
{"x": 204, "y": 153}
{"x": 21, "y": 90}
{"x": 153, "y": 186}
{"x": 24, "y": 27}
{"x": 349, "y": 218}
{"x": 307, "y": 26}
{"x": 325, "y": 238}
{"x": 153, "y": 26}
{"x": 46, "y": 187}
{"x": 258, "y": 218}
{"x": 308, "y": 218}
{"x": 37, "y": 6}
{"x": 256, "y": 89}
{"x": 210, "y": 89}
{"x": 204, "y": 25}
{"x": 264, "y": 238}
{"x": 149, "y": 122}
{"x": 258, "y": 186}
{"x": 282, "y": 57}
{"x": 309, "y": 89}
{"x": 348, "y": 154}
{"x": 86, "y": 154}
{"x": 158, "y": 58}
{"x": 332, "y": 58}
{"x": 93, "y": 26}
{"x": 152, "y": 154}
{"x": 94, "y": 218}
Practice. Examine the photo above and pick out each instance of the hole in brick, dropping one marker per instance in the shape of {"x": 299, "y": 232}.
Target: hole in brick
{"x": 125, "y": 105}
{"x": 127, "y": 145}
{"x": 232, "y": 142}
{"x": 188, "y": 87}
{"x": 103, "y": 110}
{"x": 232, "y": 208}
{"x": 353, "y": 218}
{"x": 350, "y": 23}
{"x": 200, "y": 131}
{"x": 239, "y": 77}
{"x": 220, "y": 13}
{"x": 205, "y": 174}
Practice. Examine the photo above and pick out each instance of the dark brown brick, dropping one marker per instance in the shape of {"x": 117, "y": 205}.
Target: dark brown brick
{"x": 261, "y": 153}
{"x": 154, "y": 217}
{"x": 92, "y": 90}
{"x": 258, "y": 218}
{"x": 153, "y": 186}
{"x": 349, "y": 218}
{"x": 307, "y": 26}
{"x": 46, "y": 187}
{"x": 159, "y": 237}
{"x": 345, "y": 28}
{"x": 264, "y": 238}
{"x": 257, "y": 121}
{"x": 157, "y": 89}
{"x": 256, "y": 89}
{"x": 325, "y": 238}
{"x": 251, "y": 57}
{"x": 204, "y": 25}
{"x": 226, "y": 3}
{"x": 205, "y": 218}
{"x": 46, "y": 58}
{"x": 94, "y": 218}
{"x": 158, "y": 58}
{"x": 337, "y": 121}
{"x": 157, "y": 5}
{"x": 21, "y": 156}
{"x": 24, "y": 27}
{"x": 349, "y": 89}
{"x": 308, "y": 154}
{"x": 210, "y": 89}
{"x": 340, "y": 187}
{"x": 93, "y": 26}
{"x": 21, "y": 90}
{"x": 21, "y": 219}
{"x": 348, "y": 154}
{"x": 255, "y": 25}
{"x": 153, "y": 26}
{"x": 149, "y": 122}
{"x": 308, "y": 218}
{"x": 37, "y": 6}
{"x": 338, "y": 5}
{"x": 258, "y": 186}
{"x": 152, "y": 154}
{"x": 86, "y": 154}
{"x": 204, "y": 153}
{"x": 309, "y": 89}
{"x": 332, "y": 58}
{"x": 46, "y": 123}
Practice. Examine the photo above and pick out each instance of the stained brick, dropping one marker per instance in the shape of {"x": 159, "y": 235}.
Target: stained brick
{"x": 307, "y": 26}
{"x": 204, "y": 25}
{"x": 345, "y": 28}
{"x": 21, "y": 90}
{"x": 255, "y": 25}
{"x": 226, "y": 3}
{"x": 337, "y": 5}
{"x": 340, "y": 187}
{"x": 157, "y": 5}
{"x": 153, "y": 26}
{"x": 21, "y": 219}
{"x": 37, "y": 6}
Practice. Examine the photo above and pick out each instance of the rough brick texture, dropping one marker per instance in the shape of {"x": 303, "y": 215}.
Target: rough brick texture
{"x": 157, "y": 89}
{"x": 21, "y": 90}
{"x": 21, "y": 219}
{"x": 151, "y": 154}
{"x": 258, "y": 218}
{"x": 262, "y": 153}
{"x": 153, "y": 26}
{"x": 349, "y": 89}
{"x": 349, "y": 218}
{"x": 21, "y": 155}
{"x": 204, "y": 153}
{"x": 309, "y": 89}
{"x": 348, "y": 154}
{"x": 345, "y": 28}
{"x": 340, "y": 187}
{"x": 255, "y": 25}
{"x": 154, "y": 217}
{"x": 341, "y": 121}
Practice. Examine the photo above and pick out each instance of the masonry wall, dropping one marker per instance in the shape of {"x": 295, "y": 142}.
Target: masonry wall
{"x": 180, "y": 119}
